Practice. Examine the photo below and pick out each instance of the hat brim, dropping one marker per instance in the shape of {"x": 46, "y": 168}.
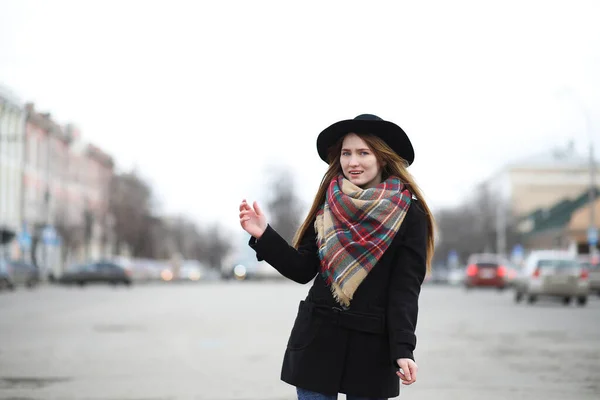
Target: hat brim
{"x": 391, "y": 133}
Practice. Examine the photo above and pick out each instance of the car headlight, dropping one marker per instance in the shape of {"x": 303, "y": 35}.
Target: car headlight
{"x": 239, "y": 271}
{"x": 166, "y": 275}
{"x": 194, "y": 275}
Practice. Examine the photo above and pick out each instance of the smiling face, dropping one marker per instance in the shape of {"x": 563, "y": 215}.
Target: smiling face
{"x": 358, "y": 162}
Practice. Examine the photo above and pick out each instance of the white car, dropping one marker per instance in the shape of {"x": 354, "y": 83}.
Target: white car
{"x": 549, "y": 273}
{"x": 194, "y": 270}
{"x": 456, "y": 276}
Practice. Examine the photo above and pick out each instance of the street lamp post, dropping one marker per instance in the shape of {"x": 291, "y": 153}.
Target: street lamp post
{"x": 88, "y": 221}
{"x": 3, "y": 195}
{"x": 593, "y": 240}
{"x": 592, "y": 234}
{"x": 2, "y": 107}
{"x": 592, "y": 229}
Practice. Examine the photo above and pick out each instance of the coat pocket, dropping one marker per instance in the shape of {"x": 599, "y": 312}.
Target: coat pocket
{"x": 306, "y": 328}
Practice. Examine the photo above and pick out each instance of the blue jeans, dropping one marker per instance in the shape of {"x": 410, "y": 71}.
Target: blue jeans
{"x": 308, "y": 395}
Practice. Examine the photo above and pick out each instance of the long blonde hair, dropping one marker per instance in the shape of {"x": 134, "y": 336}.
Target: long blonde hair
{"x": 394, "y": 165}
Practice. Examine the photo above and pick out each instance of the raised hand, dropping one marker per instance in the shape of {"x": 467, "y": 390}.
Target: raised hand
{"x": 252, "y": 219}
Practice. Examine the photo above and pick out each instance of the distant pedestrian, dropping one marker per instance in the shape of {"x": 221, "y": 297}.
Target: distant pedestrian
{"x": 368, "y": 240}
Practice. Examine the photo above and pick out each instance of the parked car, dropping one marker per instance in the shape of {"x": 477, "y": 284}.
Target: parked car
{"x": 593, "y": 267}
{"x": 97, "y": 272}
{"x": 237, "y": 271}
{"x": 251, "y": 270}
{"x": 439, "y": 275}
{"x": 16, "y": 272}
{"x": 512, "y": 273}
{"x": 486, "y": 270}
{"x": 194, "y": 270}
{"x": 456, "y": 275}
{"x": 6, "y": 281}
{"x": 552, "y": 274}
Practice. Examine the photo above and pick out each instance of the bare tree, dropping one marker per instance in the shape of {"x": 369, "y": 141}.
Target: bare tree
{"x": 471, "y": 227}
{"x": 130, "y": 204}
{"x": 71, "y": 235}
{"x": 456, "y": 232}
{"x": 150, "y": 236}
{"x": 284, "y": 205}
{"x": 185, "y": 238}
{"x": 147, "y": 244}
{"x": 185, "y": 235}
{"x": 214, "y": 245}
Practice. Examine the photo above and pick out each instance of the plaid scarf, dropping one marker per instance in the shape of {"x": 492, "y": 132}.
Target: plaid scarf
{"x": 354, "y": 229}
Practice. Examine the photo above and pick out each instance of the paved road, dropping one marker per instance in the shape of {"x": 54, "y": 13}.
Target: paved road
{"x": 226, "y": 341}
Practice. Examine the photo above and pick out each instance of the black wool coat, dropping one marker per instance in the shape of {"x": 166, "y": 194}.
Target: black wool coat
{"x": 353, "y": 351}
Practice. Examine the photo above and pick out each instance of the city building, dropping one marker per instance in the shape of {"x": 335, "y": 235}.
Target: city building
{"x": 66, "y": 186}
{"x": 542, "y": 180}
{"x": 537, "y": 182}
{"x": 12, "y": 145}
{"x": 564, "y": 225}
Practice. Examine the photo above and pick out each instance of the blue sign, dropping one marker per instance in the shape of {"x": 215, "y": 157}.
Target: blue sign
{"x": 452, "y": 257}
{"x": 592, "y": 236}
{"x": 49, "y": 236}
{"x": 516, "y": 254}
{"x": 517, "y": 251}
{"x": 24, "y": 239}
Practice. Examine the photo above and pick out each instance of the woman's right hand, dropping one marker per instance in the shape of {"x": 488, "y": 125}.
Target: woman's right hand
{"x": 252, "y": 219}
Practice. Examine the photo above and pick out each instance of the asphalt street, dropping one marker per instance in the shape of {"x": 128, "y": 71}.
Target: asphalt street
{"x": 226, "y": 341}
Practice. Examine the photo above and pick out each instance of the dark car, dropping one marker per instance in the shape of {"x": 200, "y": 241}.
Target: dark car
{"x": 16, "y": 272}
{"x": 486, "y": 270}
{"x": 5, "y": 278}
{"x": 97, "y": 272}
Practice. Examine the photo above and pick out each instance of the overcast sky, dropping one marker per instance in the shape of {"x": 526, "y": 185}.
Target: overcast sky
{"x": 203, "y": 97}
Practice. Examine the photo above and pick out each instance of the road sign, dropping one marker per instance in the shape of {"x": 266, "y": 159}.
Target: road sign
{"x": 592, "y": 236}
{"x": 517, "y": 253}
{"x": 50, "y": 236}
{"x": 452, "y": 258}
{"x": 24, "y": 239}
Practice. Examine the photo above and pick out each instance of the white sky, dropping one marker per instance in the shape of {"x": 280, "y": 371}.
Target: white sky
{"x": 204, "y": 96}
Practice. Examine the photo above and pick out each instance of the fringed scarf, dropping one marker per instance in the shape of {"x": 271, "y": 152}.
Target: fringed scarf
{"x": 354, "y": 229}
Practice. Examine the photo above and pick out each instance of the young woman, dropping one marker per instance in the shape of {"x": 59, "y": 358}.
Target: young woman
{"x": 368, "y": 240}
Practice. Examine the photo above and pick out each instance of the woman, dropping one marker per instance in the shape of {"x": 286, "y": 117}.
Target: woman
{"x": 368, "y": 239}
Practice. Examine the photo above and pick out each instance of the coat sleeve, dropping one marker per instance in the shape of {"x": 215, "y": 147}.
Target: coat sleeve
{"x": 298, "y": 265}
{"x": 407, "y": 275}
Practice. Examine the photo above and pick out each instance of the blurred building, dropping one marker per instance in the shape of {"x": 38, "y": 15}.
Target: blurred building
{"x": 12, "y": 143}
{"x": 98, "y": 172}
{"x": 538, "y": 182}
{"x": 563, "y": 225}
{"x": 66, "y": 184}
{"x": 542, "y": 180}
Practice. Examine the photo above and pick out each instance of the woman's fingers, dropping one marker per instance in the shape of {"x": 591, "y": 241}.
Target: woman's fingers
{"x": 413, "y": 370}
{"x": 246, "y": 213}
{"x": 256, "y": 208}
{"x": 405, "y": 369}
{"x": 408, "y": 371}
{"x": 244, "y": 205}
{"x": 403, "y": 378}
{"x": 243, "y": 220}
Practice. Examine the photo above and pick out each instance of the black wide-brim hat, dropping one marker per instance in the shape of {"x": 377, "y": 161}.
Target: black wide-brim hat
{"x": 391, "y": 133}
